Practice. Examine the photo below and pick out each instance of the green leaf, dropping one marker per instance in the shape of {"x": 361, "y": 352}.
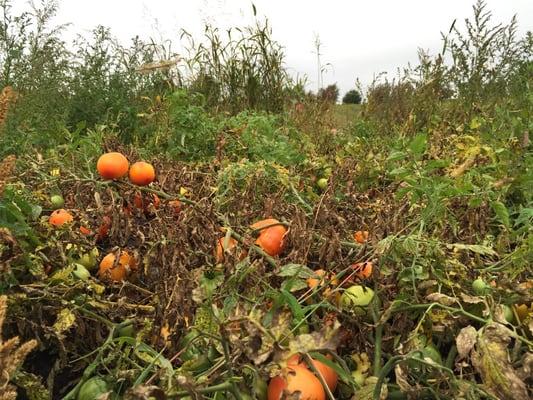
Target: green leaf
{"x": 293, "y": 304}
{"x": 62, "y": 275}
{"x": 399, "y": 172}
{"x": 293, "y": 285}
{"x": 501, "y": 213}
{"x": 416, "y": 272}
{"x": 396, "y": 155}
{"x": 36, "y": 211}
{"x": 345, "y": 376}
{"x": 296, "y": 270}
{"x": 418, "y": 144}
{"x": 525, "y": 217}
{"x": 474, "y": 248}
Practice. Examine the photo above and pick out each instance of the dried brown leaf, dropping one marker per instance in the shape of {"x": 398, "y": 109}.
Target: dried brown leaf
{"x": 465, "y": 341}
{"x": 472, "y": 299}
{"x": 441, "y": 299}
{"x": 326, "y": 338}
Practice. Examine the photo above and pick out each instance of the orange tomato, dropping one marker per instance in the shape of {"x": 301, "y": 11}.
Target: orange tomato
{"x": 328, "y": 373}
{"x": 112, "y": 165}
{"x": 221, "y": 249}
{"x": 295, "y": 359}
{"x": 142, "y": 173}
{"x": 363, "y": 270}
{"x": 271, "y": 240}
{"x": 60, "y": 217}
{"x": 361, "y": 236}
{"x": 116, "y": 271}
{"x": 298, "y": 380}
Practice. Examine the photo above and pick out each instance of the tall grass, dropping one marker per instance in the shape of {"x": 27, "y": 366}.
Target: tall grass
{"x": 239, "y": 69}
{"x": 480, "y": 67}
{"x": 97, "y": 81}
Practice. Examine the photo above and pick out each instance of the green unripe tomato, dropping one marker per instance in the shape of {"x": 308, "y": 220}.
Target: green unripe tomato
{"x": 322, "y": 183}
{"x": 327, "y": 172}
{"x": 81, "y": 272}
{"x": 57, "y": 201}
{"x": 508, "y": 314}
{"x": 93, "y": 388}
{"x": 480, "y": 287}
{"x": 357, "y": 298}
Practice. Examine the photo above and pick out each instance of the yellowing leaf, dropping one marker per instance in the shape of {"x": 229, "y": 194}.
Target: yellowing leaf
{"x": 65, "y": 319}
{"x": 98, "y": 289}
{"x": 491, "y": 359}
{"x": 62, "y": 275}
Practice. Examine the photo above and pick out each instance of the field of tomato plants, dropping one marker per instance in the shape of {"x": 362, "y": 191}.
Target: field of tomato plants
{"x": 206, "y": 229}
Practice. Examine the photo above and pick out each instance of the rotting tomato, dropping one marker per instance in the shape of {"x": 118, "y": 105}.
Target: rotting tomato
{"x": 175, "y": 205}
{"x": 116, "y": 271}
{"x": 224, "y": 245}
{"x": 144, "y": 202}
{"x": 272, "y": 240}
{"x": 363, "y": 270}
{"x": 85, "y": 231}
{"x": 60, "y": 217}
{"x": 103, "y": 229}
{"x": 360, "y": 236}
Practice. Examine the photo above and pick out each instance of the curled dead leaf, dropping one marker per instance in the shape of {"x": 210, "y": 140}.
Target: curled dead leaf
{"x": 441, "y": 299}
{"x": 465, "y": 341}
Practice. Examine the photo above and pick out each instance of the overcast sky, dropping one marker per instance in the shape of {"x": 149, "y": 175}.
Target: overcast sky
{"x": 359, "y": 38}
